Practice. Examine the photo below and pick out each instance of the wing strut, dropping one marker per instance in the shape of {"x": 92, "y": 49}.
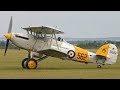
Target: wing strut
{"x": 56, "y": 40}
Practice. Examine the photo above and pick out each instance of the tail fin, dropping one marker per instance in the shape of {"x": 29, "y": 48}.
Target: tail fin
{"x": 109, "y": 51}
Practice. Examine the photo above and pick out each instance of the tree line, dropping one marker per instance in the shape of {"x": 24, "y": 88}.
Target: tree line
{"x": 82, "y": 44}
{"x": 3, "y": 43}
{"x": 93, "y": 44}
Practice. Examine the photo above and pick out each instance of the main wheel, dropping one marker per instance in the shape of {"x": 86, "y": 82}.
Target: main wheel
{"x": 31, "y": 64}
{"x": 24, "y": 62}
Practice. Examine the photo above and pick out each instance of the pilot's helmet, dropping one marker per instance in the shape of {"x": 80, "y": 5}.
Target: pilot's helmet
{"x": 59, "y": 38}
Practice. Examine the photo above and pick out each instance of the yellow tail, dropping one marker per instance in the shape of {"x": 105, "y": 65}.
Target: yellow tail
{"x": 109, "y": 51}
{"x": 103, "y": 50}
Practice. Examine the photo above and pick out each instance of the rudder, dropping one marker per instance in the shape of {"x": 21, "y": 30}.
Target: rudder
{"x": 112, "y": 54}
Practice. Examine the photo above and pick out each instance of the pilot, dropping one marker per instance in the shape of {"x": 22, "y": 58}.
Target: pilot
{"x": 59, "y": 38}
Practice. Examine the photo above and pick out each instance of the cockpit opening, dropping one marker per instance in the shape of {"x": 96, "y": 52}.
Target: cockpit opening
{"x": 22, "y": 37}
{"x": 59, "y": 39}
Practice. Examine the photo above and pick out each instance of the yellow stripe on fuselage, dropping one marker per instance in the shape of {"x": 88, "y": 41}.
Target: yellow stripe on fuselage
{"x": 103, "y": 50}
{"x": 81, "y": 54}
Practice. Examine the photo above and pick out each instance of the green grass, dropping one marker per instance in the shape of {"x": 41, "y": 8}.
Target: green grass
{"x": 54, "y": 68}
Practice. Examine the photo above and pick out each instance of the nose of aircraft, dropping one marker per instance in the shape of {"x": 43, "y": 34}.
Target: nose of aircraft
{"x": 8, "y": 35}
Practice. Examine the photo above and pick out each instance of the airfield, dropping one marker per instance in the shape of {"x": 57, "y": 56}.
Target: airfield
{"x": 54, "y": 68}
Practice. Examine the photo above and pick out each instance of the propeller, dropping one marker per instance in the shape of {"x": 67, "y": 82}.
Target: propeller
{"x": 8, "y": 36}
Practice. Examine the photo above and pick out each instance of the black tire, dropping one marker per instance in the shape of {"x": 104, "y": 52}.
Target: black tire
{"x": 99, "y": 66}
{"x": 24, "y": 62}
{"x": 33, "y": 65}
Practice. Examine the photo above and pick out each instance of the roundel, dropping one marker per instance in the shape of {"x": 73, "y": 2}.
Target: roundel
{"x": 71, "y": 53}
{"x": 103, "y": 50}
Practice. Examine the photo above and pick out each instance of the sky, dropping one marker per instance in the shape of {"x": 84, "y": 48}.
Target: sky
{"x": 75, "y": 24}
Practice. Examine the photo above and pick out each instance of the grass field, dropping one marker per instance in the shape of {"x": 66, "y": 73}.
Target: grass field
{"x": 54, "y": 68}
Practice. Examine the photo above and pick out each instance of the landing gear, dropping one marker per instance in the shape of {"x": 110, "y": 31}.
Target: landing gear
{"x": 29, "y": 63}
{"x": 86, "y": 62}
{"x": 32, "y": 61}
{"x": 98, "y": 66}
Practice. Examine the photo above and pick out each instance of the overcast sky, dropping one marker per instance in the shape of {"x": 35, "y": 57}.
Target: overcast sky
{"x": 77, "y": 24}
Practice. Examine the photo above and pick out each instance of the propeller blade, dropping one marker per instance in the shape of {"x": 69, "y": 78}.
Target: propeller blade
{"x": 9, "y": 31}
{"x": 10, "y": 26}
{"x": 7, "y": 43}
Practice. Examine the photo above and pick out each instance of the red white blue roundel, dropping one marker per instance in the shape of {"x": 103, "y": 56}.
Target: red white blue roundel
{"x": 71, "y": 53}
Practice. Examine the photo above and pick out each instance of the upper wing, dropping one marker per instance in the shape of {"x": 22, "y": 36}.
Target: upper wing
{"x": 44, "y": 30}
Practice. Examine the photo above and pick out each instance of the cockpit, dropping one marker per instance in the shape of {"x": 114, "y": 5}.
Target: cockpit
{"x": 61, "y": 39}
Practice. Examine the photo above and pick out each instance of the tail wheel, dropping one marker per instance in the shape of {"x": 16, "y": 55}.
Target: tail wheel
{"x": 98, "y": 66}
{"x": 24, "y": 62}
{"x": 31, "y": 64}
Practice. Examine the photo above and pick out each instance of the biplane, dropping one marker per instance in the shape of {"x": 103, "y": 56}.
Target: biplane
{"x": 42, "y": 42}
